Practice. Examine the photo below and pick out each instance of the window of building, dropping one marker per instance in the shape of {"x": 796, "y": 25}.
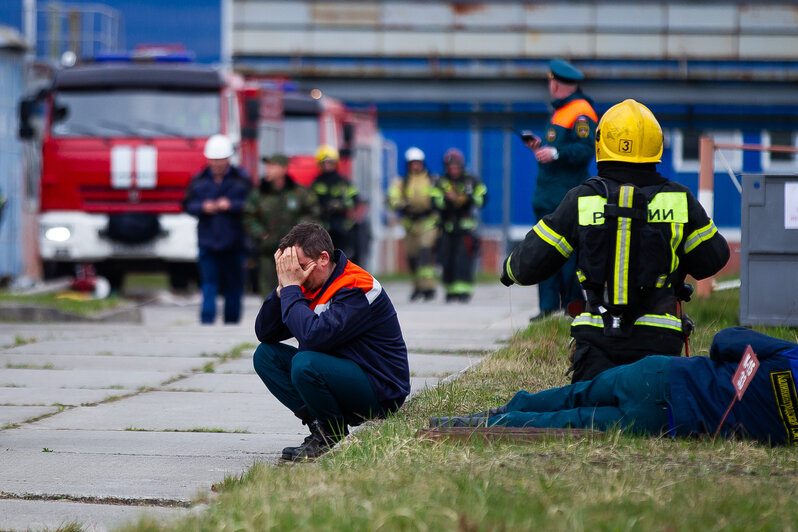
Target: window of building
{"x": 779, "y": 161}
{"x": 685, "y": 143}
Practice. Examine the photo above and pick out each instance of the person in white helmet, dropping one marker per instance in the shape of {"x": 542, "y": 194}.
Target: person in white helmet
{"x": 216, "y": 196}
{"x": 413, "y": 198}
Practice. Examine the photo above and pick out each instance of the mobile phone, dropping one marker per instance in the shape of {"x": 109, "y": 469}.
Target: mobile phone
{"x": 527, "y": 135}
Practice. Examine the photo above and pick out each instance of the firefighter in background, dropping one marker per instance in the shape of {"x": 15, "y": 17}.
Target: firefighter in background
{"x": 563, "y": 163}
{"x": 271, "y": 211}
{"x": 460, "y": 196}
{"x": 338, "y": 201}
{"x": 635, "y": 236}
{"x": 216, "y": 196}
{"x": 413, "y": 198}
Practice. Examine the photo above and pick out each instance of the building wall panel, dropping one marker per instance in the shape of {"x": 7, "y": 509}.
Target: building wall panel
{"x": 631, "y": 46}
{"x": 292, "y": 13}
{"x": 344, "y": 42}
{"x": 546, "y": 44}
{"x": 769, "y": 47}
{"x": 698, "y": 17}
{"x": 366, "y": 14}
{"x": 275, "y": 42}
{"x": 417, "y": 15}
{"x": 476, "y": 44}
{"x": 612, "y": 17}
{"x": 769, "y": 18}
{"x": 482, "y": 15}
{"x": 547, "y": 16}
{"x": 701, "y": 46}
{"x": 415, "y": 43}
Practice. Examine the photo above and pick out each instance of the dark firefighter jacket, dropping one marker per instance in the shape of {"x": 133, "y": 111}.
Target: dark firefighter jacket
{"x": 459, "y": 214}
{"x": 691, "y": 246}
{"x": 572, "y": 131}
{"x": 337, "y": 197}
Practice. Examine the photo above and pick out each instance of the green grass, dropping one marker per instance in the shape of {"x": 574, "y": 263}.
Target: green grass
{"x": 146, "y": 281}
{"x": 83, "y": 307}
{"x": 384, "y": 478}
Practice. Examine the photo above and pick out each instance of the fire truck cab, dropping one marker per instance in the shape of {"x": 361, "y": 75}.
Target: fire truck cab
{"x": 121, "y": 141}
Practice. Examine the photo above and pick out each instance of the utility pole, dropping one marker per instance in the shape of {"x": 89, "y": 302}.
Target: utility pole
{"x": 226, "y": 52}
{"x": 29, "y": 25}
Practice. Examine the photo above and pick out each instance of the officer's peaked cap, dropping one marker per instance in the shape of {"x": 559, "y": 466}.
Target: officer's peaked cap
{"x": 562, "y": 70}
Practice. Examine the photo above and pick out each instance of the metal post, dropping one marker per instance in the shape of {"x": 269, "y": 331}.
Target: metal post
{"x": 706, "y": 193}
{"x": 507, "y": 182}
{"x": 30, "y": 29}
{"x": 226, "y": 52}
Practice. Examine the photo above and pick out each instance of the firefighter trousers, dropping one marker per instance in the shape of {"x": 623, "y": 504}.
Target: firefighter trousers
{"x": 458, "y": 256}
{"x": 420, "y": 237}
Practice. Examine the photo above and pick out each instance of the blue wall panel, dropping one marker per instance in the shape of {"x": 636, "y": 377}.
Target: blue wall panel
{"x": 492, "y": 174}
{"x": 11, "y": 14}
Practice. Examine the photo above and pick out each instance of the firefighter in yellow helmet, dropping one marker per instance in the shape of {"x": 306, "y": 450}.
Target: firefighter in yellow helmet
{"x": 337, "y": 199}
{"x": 636, "y": 235}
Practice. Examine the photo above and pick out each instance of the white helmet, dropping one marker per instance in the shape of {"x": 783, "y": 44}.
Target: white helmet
{"x": 218, "y": 147}
{"x": 414, "y": 154}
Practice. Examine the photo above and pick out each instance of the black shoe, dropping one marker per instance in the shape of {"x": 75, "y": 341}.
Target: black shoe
{"x": 429, "y": 295}
{"x": 321, "y": 440}
{"x": 465, "y": 421}
{"x": 451, "y": 297}
{"x": 477, "y": 419}
{"x": 465, "y": 298}
{"x": 542, "y": 315}
{"x": 416, "y": 294}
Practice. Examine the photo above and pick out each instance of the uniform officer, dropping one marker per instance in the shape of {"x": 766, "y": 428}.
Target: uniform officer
{"x": 563, "y": 157}
{"x": 635, "y": 236}
{"x": 271, "y": 210}
{"x": 412, "y": 196}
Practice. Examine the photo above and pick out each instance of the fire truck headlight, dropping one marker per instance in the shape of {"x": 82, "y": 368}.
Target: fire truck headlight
{"x": 58, "y": 234}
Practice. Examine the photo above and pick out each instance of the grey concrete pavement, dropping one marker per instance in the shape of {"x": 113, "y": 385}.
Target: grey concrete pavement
{"x": 103, "y": 415}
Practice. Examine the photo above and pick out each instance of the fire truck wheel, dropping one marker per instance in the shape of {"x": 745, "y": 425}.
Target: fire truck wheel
{"x": 56, "y": 270}
{"x": 180, "y": 275}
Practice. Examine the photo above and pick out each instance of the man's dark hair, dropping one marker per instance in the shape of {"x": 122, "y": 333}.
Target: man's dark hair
{"x": 311, "y": 238}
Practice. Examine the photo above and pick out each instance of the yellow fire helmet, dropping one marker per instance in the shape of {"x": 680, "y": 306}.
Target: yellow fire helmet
{"x": 629, "y": 132}
{"x": 326, "y": 153}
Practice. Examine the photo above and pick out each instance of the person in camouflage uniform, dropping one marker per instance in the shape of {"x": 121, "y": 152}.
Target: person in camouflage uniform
{"x": 271, "y": 210}
{"x": 413, "y": 197}
{"x": 461, "y": 195}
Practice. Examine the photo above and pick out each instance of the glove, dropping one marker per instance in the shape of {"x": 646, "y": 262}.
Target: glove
{"x": 505, "y": 279}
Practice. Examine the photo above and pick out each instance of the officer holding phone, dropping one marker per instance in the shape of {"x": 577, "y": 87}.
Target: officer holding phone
{"x": 563, "y": 157}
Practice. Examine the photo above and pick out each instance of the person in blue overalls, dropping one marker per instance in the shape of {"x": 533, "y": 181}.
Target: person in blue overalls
{"x": 679, "y": 396}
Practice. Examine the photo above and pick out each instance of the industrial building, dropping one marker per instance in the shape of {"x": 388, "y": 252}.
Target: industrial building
{"x": 468, "y": 74}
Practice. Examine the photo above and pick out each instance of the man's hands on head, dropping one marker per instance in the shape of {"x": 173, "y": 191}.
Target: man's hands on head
{"x": 289, "y": 271}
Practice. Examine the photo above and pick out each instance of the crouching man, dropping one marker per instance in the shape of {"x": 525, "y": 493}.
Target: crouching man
{"x": 351, "y": 364}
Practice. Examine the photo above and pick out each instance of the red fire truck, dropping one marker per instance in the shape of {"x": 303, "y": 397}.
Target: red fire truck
{"x": 122, "y": 139}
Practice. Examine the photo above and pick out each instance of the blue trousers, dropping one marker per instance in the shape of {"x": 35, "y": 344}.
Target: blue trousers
{"x": 561, "y": 288}
{"x": 633, "y": 396}
{"x": 335, "y": 390}
{"x": 227, "y": 268}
